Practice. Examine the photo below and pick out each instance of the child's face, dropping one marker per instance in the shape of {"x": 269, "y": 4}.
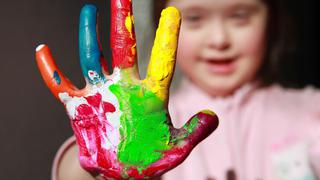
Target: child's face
{"x": 222, "y": 42}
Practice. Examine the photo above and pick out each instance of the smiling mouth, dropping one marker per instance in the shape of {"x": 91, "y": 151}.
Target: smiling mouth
{"x": 221, "y": 66}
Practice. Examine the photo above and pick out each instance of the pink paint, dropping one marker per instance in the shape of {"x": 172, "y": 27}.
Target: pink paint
{"x": 92, "y": 130}
{"x": 97, "y": 160}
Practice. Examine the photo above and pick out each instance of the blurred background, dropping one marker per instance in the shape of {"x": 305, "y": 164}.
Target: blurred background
{"x": 33, "y": 123}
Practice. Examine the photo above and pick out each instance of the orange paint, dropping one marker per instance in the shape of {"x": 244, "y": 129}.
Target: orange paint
{"x": 47, "y": 67}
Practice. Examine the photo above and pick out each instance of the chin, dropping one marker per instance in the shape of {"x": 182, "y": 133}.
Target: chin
{"x": 221, "y": 88}
{"x": 221, "y": 92}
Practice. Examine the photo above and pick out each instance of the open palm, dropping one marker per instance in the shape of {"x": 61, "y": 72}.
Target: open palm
{"x": 121, "y": 123}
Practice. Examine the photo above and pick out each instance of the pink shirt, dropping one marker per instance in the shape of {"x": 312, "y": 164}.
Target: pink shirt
{"x": 268, "y": 133}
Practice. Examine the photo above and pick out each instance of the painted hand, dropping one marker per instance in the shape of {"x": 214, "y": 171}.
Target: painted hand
{"x": 121, "y": 123}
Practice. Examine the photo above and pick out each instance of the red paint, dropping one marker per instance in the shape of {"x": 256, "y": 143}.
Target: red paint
{"x": 121, "y": 40}
{"x": 94, "y": 100}
{"x": 108, "y": 107}
{"x": 90, "y": 125}
{"x": 84, "y": 112}
{"x": 175, "y": 156}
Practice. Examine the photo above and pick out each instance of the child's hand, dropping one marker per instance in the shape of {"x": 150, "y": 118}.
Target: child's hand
{"x": 121, "y": 123}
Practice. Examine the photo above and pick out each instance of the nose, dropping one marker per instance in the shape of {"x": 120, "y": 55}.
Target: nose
{"x": 217, "y": 36}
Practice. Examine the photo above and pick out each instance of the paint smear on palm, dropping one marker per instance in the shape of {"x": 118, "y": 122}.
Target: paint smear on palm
{"x": 142, "y": 133}
{"x": 143, "y": 125}
{"x": 143, "y": 129}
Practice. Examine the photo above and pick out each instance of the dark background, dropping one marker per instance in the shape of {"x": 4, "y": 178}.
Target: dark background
{"x": 33, "y": 123}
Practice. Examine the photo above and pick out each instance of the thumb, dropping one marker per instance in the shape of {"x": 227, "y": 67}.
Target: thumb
{"x": 197, "y": 128}
{"x": 185, "y": 139}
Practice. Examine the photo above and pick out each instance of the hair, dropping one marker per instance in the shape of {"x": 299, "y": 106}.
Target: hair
{"x": 280, "y": 41}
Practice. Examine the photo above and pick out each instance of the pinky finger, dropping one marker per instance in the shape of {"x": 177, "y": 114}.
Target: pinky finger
{"x": 51, "y": 74}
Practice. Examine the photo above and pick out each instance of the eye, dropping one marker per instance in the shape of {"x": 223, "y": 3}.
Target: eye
{"x": 193, "y": 20}
{"x": 240, "y": 16}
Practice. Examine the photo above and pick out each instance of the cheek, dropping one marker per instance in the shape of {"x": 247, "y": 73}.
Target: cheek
{"x": 251, "y": 42}
{"x": 187, "y": 53}
{"x": 187, "y": 47}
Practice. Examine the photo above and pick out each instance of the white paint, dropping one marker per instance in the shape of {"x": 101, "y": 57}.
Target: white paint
{"x": 94, "y": 76}
{"x": 92, "y": 149}
{"x": 72, "y": 103}
{"x": 40, "y": 47}
{"x": 114, "y": 118}
{"x": 112, "y": 134}
{"x": 116, "y": 76}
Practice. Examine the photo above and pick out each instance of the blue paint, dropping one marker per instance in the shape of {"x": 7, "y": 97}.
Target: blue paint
{"x": 56, "y": 77}
{"x": 88, "y": 44}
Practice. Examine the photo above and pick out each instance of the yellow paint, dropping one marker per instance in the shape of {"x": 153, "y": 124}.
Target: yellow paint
{"x": 161, "y": 67}
{"x": 207, "y": 111}
{"x": 133, "y": 49}
{"x": 133, "y": 52}
{"x": 130, "y": 75}
{"x": 129, "y": 24}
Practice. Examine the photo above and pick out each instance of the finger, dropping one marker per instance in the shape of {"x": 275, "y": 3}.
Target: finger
{"x": 161, "y": 66}
{"x": 89, "y": 49}
{"x": 123, "y": 43}
{"x": 197, "y": 128}
{"x": 185, "y": 139}
{"x": 51, "y": 74}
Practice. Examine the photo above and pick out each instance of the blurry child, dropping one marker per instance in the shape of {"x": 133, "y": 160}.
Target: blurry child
{"x": 229, "y": 52}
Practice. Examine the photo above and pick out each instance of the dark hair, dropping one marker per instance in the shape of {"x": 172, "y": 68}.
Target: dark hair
{"x": 280, "y": 41}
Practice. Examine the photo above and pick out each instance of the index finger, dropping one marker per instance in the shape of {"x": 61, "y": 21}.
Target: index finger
{"x": 123, "y": 42}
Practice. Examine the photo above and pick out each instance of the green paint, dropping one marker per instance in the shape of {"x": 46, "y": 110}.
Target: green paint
{"x": 144, "y": 131}
{"x": 192, "y": 125}
{"x": 186, "y": 130}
